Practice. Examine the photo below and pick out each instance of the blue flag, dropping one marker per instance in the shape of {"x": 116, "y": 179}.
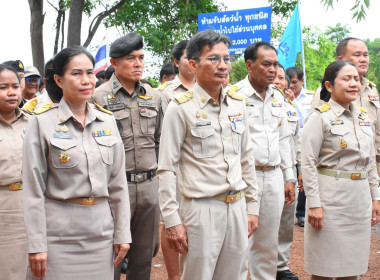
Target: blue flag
{"x": 291, "y": 41}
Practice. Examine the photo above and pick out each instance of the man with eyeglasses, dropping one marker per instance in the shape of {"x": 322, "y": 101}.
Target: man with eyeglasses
{"x": 272, "y": 152}
{"x": 32, "y": 84}
{"x": 205, "y": 135}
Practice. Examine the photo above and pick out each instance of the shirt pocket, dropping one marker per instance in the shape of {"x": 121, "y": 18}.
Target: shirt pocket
{"x": 237, "y": 130}
{"x": 203, "y": 142}
{"x": 292, "y": 124}
{"x": 340, "y": 137}
{"x": 123, "y": 122}
{"x": 252, "y": 112}
{"x": 63, "y": 154}
{"x": 106, "y": 147}
{"x": 148, "y": 121}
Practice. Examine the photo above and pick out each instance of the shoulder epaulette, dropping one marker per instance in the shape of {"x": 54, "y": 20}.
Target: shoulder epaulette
{"x": 183, "y": 97}
{"x": 324, "y": 107}
{"x": 30, "y": 105}
{"x": 100, "y": 108}
{"x": 231, "y": 92}
{"x": 44, "y": 108}
{"x": 308, "y": 91}
{"x": 162, "y": 86}
{"x": 278, "y": 88}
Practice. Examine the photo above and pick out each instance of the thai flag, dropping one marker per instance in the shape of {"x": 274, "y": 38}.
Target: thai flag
{"x": 101, "y": 61}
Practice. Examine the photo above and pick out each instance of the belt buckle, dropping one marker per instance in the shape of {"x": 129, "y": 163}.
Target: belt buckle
{"x": 139, "y": 177}
{"x": 88, "y": 201}
{"x": 266, "y": 168}
{"x": 15, "y": 187}
{"x": 356, "y": 176}
{"x": 231, "y": 198}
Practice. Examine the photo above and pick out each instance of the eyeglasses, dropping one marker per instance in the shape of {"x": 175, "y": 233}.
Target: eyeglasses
{"x": 30, "y": 80}
{"x": 216, "y": 59}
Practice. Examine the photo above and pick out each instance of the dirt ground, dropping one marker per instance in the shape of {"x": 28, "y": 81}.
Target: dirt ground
{"x": 296, "y": 258}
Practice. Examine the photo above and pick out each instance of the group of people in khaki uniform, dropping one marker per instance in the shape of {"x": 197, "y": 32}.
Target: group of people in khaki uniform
{"x": 220, "y": 164}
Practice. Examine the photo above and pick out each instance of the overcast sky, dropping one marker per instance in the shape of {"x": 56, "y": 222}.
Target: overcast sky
{"x": 15, "y": 19}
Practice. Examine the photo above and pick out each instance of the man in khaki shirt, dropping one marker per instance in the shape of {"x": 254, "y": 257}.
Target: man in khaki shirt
{"x": 185, "y": 79}
{"x": 138, "y": 114}
{"x": 355, "y": 50}
{"x": 270, "y": 136}
{"x": 205, "y": 133}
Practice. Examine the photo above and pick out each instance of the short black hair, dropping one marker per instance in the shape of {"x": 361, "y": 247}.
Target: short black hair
{"x": 204, "y": 38}
{"x": 179, "y": 49}
{"x": 250, "y": 52}
{"x": 166, "y": 69}
{"x": 109, "y": 71}
{"x": 100, "y": 74}
{"x": 342, "y": 46}
{"x": 7, "y": 67}
{"x": 331, "y": 72}
{"x": 292, "y": 71}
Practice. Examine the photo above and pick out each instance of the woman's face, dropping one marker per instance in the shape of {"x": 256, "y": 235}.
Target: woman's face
{"x": 78, "y": 81}
{"x": 10, "y": 92}
{"x": 346, "y": 85}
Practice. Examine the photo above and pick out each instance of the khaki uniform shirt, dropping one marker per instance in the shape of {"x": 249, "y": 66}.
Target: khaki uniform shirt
{"x": 369, "y": 99}
{"x": 39, "y": 104}
{"x": 63, "y": 160}
{"x": 139, "y": 119}
{"x": 170, "y": 90}
{"x": 268, "y": 127}
{"x": 339, "y": 140}
{"x": 11, "y": 140}
{"x": 210, "y": 144}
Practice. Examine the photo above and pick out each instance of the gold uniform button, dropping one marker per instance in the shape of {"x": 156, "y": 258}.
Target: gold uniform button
{"x": 203, "y": 99}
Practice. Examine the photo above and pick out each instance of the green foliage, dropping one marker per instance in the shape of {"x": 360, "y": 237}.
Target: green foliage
{"x": 162, "y": 22}
{"x": 374, "y": 54}
{"x": 359, "y": 8}
{"x": 238, "y": 70}
{"x": 337, "y": 33}
{"x": 283, "y": 8}
{"x": 153, "y": 81}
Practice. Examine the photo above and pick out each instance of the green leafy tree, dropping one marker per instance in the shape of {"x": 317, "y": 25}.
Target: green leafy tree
{"x": 374, "y": 54}
{"x": 238, "y": 70}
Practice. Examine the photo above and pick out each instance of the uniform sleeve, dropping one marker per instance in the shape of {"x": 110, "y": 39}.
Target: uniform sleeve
{"x": 316, "y": 101}
{"x": 34, "y": 177}
{"x": 297, "y": 141}
{"x": 157, "y": 133}
{"x": 377, "y": 138}
{"x": 312, "y": 139}
{"x": 118, "y": 194}
{"x": 373, "y": 178}
{"x": 172, "y": 138}
{"x": 285, "y": 150}
{"x": 165, "y": 101}
{"x": 248, "y": 169}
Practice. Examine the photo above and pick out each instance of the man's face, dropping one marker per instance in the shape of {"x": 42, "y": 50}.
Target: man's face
{"x": 32, "y": 84}
{"x": 213, "y": 66}
{"x": 262, "y": 72}
{"x": 129, "y": 68}
{"x": 296, "y": 84}
{"x": 280, "y": 80}
{"x": 183, "y": 66}
{"x": 357, "y": 53}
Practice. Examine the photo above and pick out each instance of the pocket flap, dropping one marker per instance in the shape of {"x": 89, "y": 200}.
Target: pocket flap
{"x": 202, "y": 132}
{"x": 148, "y": 113}
{"x": 339, "y": 130}
{"x": 107, "y": 141}
{"x": 239, "y": 127}
{"x": 253, "y": 113}
{"x": 63, "y": 144}
{"x": 375, "y": 103}
{"x": 277, "y": 111}
{"x": 121, "y": 114}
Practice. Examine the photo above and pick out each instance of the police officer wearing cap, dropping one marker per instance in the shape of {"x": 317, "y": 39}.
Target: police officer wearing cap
{"x": 138, "y": 114}
{"x": 270, "y": 135}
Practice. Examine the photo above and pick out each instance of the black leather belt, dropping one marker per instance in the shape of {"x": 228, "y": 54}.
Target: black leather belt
{"x": 141, "y": 177}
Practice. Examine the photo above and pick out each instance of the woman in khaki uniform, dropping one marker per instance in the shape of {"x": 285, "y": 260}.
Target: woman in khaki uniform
{"x": 340, "y": 179}
{"x": 77, "y": 210}
{"x": 13, "y": 123}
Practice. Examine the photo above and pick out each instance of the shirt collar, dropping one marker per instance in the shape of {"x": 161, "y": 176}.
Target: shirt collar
{"x": 338, "y": 109}
{"x": 251, "y": 91}
{"x": 65, "y": 113}
{"x": 203, "y": 97}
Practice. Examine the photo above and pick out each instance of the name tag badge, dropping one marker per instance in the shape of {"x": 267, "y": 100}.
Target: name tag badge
{"x": 115, "y": 107}
{"x": 61, "y": 135}
{"x": 338, "y": 122}
{"x": 204, "y": 123}
{"x": 146, "y": 104}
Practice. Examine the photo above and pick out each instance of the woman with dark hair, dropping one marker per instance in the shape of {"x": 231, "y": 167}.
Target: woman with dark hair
{"x": 340, "y": 179}
{"x": 13, "y": 123}
{"x": 76, "y": 197}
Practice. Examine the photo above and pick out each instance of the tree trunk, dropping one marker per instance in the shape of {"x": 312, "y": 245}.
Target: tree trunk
{"x": 36, "y": 34}
{"x": 75, "y": 22}
{"x": 61, "y": 12}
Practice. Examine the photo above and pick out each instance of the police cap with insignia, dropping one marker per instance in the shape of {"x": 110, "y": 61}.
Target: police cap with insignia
{"x": 126, "y": 44}
{"x": 16, "y": 64}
